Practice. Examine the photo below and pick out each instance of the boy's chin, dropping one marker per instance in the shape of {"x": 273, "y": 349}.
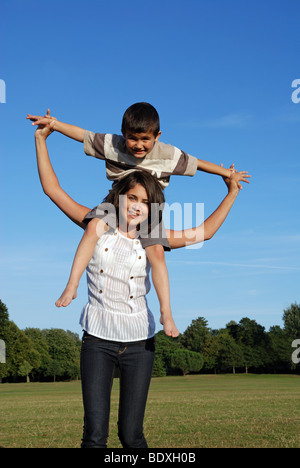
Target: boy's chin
{"x": 139, "y": 155}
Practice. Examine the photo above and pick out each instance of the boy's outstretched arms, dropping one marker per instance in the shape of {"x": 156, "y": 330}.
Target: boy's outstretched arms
{"x": 71, "y": 131}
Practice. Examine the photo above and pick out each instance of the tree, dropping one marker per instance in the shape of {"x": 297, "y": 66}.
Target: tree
{"x": 230, "y": 355}
{"x": 211, "y": 353}
{"x": 24, "y": 370}
{"x": 19, "y": 348}
{"x": 196, "y": 335}
{"x": 164, "y": 346}
{"x": 4, "y": 322}
{"x": 252, "y": 340}
{"x": 279, "y": 349}
{"x": 247, "y": 331}
{"x": 186, "y": 361}
{"x": 4, "y": 318}
{"x": 64, "y": 353}
{"x": 159, "y": 367}
{"x": 40, "y": 344}
{"x": 291, "y": 319}
{"x": 251, "y": 357}
{"x": 54, "y": 369}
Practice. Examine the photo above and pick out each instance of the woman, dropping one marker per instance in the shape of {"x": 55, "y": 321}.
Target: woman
{"x": 132, "y": 202}
{"x": 118, "y": 279}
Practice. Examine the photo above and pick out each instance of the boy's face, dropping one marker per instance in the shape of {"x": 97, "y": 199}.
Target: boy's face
{"x": 140, "y": 144}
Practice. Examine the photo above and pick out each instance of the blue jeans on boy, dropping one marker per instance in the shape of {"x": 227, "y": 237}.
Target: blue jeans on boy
{"x": 98, "y": 360}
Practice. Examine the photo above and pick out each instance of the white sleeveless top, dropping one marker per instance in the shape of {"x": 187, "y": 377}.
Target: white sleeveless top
{"x": 118, "y": 281}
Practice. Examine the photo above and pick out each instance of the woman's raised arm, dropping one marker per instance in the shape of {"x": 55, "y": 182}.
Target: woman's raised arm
{"x": 210, "y": 226}
{"x": 50, "y": 184}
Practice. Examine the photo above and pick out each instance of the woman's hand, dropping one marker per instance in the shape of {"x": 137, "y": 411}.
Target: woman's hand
{"x": 234, "y": 181}
{"x": 45, "y": 124}
{"x": 43, "y": 132}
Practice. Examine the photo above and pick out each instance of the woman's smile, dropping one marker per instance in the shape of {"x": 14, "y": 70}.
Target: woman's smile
{"x": 134, "y": 207}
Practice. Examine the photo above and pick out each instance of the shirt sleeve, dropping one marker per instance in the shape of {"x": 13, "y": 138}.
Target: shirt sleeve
{"x": 186, "y": 165}
{"x": 93, "y": 144}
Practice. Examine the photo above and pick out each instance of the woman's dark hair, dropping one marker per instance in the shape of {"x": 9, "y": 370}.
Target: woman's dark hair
{"x": 141, "y": 118}
{"x": 154, "y": 191}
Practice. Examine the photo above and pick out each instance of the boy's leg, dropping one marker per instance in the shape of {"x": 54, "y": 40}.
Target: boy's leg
{"x": 84, "y": 253}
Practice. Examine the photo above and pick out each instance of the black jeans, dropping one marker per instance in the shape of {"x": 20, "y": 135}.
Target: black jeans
{"x": 98, "y": 360}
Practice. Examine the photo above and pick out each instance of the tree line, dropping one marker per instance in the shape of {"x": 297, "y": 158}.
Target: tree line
{"x": 54, "y": 354}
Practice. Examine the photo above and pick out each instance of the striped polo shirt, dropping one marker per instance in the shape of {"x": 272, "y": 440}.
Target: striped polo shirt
{"x": 118, "y": 281}
{"x": 162, "y": 161}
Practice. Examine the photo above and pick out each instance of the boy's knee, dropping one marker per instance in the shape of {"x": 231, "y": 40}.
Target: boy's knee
{"x": 97, "y": 226}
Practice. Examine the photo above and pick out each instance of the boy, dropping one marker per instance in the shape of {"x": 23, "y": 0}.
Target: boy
{"x": 138, "y": 148}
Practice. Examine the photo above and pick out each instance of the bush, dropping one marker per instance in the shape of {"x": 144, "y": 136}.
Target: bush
{"x": 186, "y": 361}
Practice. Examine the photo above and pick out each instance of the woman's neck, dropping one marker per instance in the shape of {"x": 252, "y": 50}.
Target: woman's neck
{"x": 128, "y": 231}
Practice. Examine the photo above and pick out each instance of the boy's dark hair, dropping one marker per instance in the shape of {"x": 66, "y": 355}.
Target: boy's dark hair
{"x": 141, "y": 118}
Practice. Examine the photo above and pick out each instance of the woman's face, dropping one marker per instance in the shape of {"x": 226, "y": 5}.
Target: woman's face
{"x": 134, "y": 206}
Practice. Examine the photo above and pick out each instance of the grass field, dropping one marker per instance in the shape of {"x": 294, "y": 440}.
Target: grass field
{"x": 209, "y": 411}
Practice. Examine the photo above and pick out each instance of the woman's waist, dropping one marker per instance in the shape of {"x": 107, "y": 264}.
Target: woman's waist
{"x": 119, "y": 308}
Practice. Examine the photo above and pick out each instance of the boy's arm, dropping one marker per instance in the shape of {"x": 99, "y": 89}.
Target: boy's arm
{"x": 211, "y": 168}
{"x": 71, "y": 131}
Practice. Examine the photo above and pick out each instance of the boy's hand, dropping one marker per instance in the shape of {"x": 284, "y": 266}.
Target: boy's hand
{"x": 47, "y": 120}
{"x": 71, "y": 131}
{"x": 235, "y": 179}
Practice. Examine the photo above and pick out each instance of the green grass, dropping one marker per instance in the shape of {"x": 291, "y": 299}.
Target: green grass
{"x": 214, "y": 411}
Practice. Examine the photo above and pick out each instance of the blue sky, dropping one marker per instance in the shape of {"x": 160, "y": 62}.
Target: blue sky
{"x": 220, "y": 75}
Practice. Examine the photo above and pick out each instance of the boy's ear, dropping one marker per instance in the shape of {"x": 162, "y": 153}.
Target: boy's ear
{"x": 157, "y": 136}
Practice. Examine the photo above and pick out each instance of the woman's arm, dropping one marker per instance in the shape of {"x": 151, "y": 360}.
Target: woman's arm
{"x": 210, "y": 226}
{"x": 50, "y": 184}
